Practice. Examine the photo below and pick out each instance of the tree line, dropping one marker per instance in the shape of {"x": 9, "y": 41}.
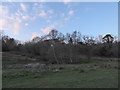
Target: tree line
{"x": 59, "y": 48}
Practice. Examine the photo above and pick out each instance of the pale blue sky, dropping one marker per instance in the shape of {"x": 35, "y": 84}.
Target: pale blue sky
{"x": 24, "y": 21}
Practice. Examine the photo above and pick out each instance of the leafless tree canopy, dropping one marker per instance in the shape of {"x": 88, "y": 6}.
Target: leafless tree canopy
{"x": 59, "y": 48}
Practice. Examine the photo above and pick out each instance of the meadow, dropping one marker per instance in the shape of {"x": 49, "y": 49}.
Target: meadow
{"x": 93, "y": 74}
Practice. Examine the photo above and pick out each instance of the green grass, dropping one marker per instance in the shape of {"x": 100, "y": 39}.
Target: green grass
{"x": 66, "y": 79}
{"x": 91, "y": 78}
{"x": 95, "y": 75}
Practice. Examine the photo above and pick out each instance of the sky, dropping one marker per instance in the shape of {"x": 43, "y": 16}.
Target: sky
{"x": 26, "y": 20}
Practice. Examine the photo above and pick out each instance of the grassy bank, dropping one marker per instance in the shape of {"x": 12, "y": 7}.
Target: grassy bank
{"x": 90, "y": 75}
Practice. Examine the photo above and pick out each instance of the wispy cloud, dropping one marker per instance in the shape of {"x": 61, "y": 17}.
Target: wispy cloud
{"x": 69, "y": 15}
{"x": 66, "y": 18}
{"x": 25, "y": 17}
{"x": 13, "y": 22}
{"x": 34, "y": 34}
{"x": 46, "y": 30}
{"x": 23, "y": 7}
{"x": 2, "y": 22}
{"x": 17, "y": 25}
{"x": 3, "y": 10}
{"x": 26, "y": 24}
{"x": 5, "y": 17}
{"x": 16, "y": 20}
{"x": 50, "y": 11}
{"x": 45, "y": 14}
{"x": 1, "y": 29}
{"x": 71, "y": 12}
{"x": 66, "y": 1}
{"x": 13, "y": 26}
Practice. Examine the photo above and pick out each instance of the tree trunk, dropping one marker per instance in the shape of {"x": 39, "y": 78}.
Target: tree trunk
{"x": 55, "y": 55}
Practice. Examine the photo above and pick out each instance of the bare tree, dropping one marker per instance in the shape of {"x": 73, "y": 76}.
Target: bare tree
{"x": 53, "y": 34}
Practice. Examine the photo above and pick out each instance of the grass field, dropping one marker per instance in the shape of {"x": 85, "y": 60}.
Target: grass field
{"x": 95, "y": 74}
